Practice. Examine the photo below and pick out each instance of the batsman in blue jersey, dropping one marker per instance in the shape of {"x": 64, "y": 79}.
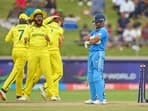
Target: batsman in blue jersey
{"x": 97, "y": 41}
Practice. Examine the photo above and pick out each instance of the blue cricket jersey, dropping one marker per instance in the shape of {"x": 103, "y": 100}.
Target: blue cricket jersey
{"x": 101, "y": 45}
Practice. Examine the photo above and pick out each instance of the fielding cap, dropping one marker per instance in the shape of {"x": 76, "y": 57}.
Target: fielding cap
{"x": 23, "y": 16}
{"x": 38, "y": 11}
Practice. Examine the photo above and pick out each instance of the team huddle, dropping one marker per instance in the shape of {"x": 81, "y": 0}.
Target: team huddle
{"x": 36, "y": 43}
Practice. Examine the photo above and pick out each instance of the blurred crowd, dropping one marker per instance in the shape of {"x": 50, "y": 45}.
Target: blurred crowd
{"x": 131, "y": 28}
{"x": 28, "y": 6}
{"x": 129, "y": 31}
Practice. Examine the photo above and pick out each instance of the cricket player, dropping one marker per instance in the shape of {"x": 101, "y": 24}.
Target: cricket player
{"x": 55, "y": 56}
{"x": 38, "y": 55}
{"x": 97, "y": 40}
{"x": 16, "y": 35}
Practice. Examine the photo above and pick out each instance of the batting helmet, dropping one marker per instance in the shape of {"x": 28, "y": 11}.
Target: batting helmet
{"x": 99, "y": 18}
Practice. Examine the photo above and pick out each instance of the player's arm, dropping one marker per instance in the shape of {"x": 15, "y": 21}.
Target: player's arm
{"x": 61, "y": 37}
{"x": 26, "y": 35}
{"x": 48, "y": 35}
{"x": 48, "y": 20}
{"x": 9, "y": 36}
{"x": 61, "y": 40}
{"x": 47, "y": 38}
{"x": 92, "y": 40}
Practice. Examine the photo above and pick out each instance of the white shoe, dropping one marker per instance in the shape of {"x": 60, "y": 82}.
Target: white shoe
{"x": 104, "y": 101}
{"x": 54, "y": 98}
{"x": 17, "y": 98}
{"x": 3, "y": 95}
{"x": 89, "y": 101}
{"x": 97, "y": 102}
{"x": 100, "y": 102}
{"x": 23, "y": 98}
{"x": 43, "y": 93}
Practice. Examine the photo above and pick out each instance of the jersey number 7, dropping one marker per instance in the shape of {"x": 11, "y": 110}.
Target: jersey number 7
{"x": 20, "y": 33}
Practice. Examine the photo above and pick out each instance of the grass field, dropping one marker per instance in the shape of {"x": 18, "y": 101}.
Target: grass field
{"x": 74, "y": 101}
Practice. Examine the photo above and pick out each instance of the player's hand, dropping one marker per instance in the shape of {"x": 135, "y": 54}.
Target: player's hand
{"x": 86, "y": 43}
{"x": 86, "y": 38}
{"x": 54, "y": 16}
{"x": 47, "y": 38}
{"x": 26, "y": 40}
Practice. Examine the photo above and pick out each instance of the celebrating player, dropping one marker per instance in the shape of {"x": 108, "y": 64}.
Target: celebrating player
{"x": 19, "y": 54}
{"x": 55, "y": 56}
{"x": 38, "y": 56}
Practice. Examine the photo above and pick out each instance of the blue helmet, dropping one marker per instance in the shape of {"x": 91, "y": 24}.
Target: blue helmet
{"x": 99, "y": 18}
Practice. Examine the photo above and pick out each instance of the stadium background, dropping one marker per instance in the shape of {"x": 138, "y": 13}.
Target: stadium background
{"x": 125, "y": 62}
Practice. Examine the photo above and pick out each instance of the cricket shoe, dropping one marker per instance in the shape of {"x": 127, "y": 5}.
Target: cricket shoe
{"x": 104, "y": 101}
{"x": 89, "y": 101}
{"x": 18, "y": 97}
{"x": 100, "y": 102}
{"x": 95, "y": 102}
{"x": 3, "y": 95}
{"x": 54, "y": 98}
{"x": 43, "y": 93}
{"x": 23, "y": 98}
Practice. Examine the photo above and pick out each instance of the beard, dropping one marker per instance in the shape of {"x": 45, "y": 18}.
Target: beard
{"x": 97, "y": 27}
{"x": 38, "y": 22}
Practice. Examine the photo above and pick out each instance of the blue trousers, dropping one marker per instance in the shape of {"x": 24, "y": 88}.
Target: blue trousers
{"x": 95, "y": 75}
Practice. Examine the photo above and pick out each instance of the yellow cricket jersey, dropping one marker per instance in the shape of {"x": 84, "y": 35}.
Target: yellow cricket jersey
{"x": 47, "y": 20}
{"x": 16, "y": 35}
{"x": 37, "y": 36}
{"x": 56, "y": 33}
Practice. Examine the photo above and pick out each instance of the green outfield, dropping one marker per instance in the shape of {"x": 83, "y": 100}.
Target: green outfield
{"x": 74, "y": 101}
